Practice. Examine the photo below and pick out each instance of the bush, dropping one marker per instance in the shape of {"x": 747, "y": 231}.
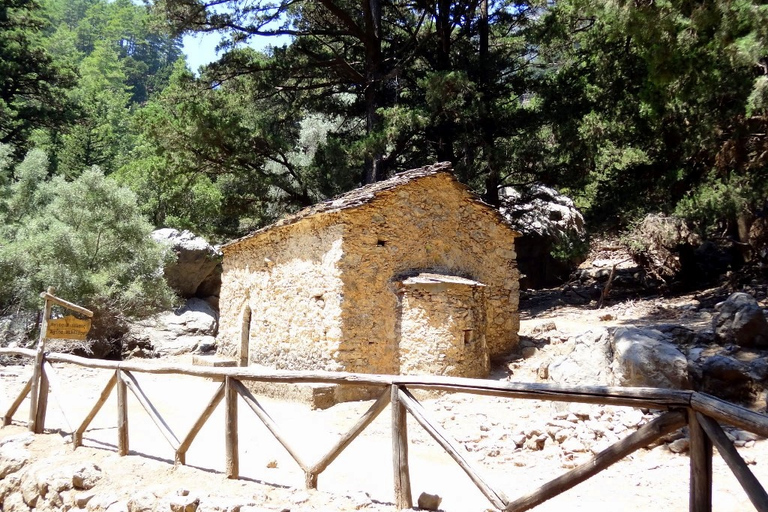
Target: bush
{"x": 86, "y": 238}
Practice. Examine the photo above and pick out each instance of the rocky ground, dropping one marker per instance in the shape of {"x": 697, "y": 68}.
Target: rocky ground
{"x": 517, "y": 444}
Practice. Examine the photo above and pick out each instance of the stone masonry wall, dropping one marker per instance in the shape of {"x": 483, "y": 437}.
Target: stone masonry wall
{"x": 290, "y": 279}
{"x": 442, "y": 330}
{"x": 323, "y": 290}
{"x": 431, "y": 224}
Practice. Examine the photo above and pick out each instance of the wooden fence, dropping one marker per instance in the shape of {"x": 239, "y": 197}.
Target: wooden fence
{"x": 700, "y": 412}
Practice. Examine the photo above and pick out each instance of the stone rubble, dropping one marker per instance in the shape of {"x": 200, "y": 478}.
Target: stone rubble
{"x": 44, "y": 486}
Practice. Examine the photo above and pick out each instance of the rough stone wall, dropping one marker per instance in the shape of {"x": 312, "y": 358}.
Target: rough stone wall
{"x": 323, "y": 290}
{"x": 431, "y": 224}
{"x": 442, "y": 331}
{"x": 290, "y": 279}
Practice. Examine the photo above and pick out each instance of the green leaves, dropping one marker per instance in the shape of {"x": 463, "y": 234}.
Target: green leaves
{"x": 85, "y": 237}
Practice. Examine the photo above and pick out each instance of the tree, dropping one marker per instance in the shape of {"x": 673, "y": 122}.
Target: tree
{"x": 643, "y": 97}
{"x": 339, "y": 49}
{"x": 240, "y": 156}
{"x": 32, "y": 84}
{"x": 85, "y": 237}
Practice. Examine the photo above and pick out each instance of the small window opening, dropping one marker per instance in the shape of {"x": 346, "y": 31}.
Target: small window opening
{"x": 468, "y": 338}
{"x": 381, "y": 243}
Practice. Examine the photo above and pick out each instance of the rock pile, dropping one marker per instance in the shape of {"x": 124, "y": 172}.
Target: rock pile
{"x": 38, "y": 485}
{"x": 729, "y": 361}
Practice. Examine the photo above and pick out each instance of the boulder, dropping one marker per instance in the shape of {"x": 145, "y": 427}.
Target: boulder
{"x": 428, "y": 501}
{"x": 725, "y": 368}
{"x": 86, "y": 476}
{"x": 548, "y": 221}
{"x": 13, "y": 457}
{"x": 647, "y": 357}
{"x": 584, "y": 360}
{"x": 16, "y": 328}
{"x": 728, "y": 378}
{"x": 195, "y": 263}
{"x": 191, "y": 328}
{"x": 740, "y": 320}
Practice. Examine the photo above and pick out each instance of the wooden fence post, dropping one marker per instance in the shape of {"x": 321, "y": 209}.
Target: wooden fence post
{"x": 42, "y": 401}
{"x": 700, "y": 499}
{"x": 37, "y": 370}
{"x": 230, "y": 418}
{"x": 403, "y": 498}
{"x": 122, "y": 414}
{"x": 730, "y": 455}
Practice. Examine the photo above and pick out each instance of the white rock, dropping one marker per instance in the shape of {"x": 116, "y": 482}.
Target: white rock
{"x": 13, "y": 457}
{"x": 631, "y": 418}
{"x": 118, "y": 506}
{"x": 646, "y": 357}
{"x": 573, "y": 445}
{"x": 183, "y": 503}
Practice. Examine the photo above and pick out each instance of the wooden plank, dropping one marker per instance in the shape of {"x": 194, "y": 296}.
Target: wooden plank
{"x": 23, "y": 352}
{"x": 154, "y": 414}
{"x": 77, "y": 437}
{"x": 728, "y": 452}
{"x": 646, "y": 434}
{"x": 700, "y": 494}
{"x": 181, "y": 451}
{"x": 626, "y": 397}
{"x": 402, "y": 475}
{"x": 56, "y": 387}
{"x": 64, "y": 303}
{"x": 268, "y": 422}
{"x": 443, "y": 439}
{"x": 122, "y": 415}
{"x": 42, "y": 401}
{"x": 366, "y": 419}
{"x": 16, "y": 403}
{"x": 635, "y": 397}
{"x": 731, "y": 414}
{"x": 230, "y": 429}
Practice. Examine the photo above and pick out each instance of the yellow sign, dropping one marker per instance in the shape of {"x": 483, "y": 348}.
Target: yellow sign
{"x": 68, "y": 328}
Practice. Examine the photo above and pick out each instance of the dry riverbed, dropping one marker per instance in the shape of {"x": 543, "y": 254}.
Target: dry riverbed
{"x": 489, "y": 430}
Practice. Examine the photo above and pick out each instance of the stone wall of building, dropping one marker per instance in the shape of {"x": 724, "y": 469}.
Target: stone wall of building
{"x": 442, "y": 329}
{"x": 290, "y": 280}
{"x": 323, "y": 291}
{"x": 429, "y": 225}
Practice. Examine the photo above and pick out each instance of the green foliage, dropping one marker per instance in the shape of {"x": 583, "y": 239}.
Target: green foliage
{"x": 32, "y": 83}
{"x": 85, "y": 237}
{"x": 645, "y": 98}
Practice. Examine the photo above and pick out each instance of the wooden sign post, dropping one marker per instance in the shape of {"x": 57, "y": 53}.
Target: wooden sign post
{"x": 68, "y": 327}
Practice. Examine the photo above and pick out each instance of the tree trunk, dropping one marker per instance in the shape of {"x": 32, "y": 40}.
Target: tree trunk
{"x": 444, "y": 130}
{"x": 374, "y": 163}
{"x": 492, "y": 180}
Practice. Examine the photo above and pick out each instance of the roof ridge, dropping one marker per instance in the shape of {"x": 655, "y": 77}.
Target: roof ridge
{"x": 354, "y": 198}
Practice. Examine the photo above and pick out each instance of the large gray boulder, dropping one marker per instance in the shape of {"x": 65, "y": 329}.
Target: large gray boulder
{"x": 584, "y": 360}
{"x": 190, "y": 329}
{"x": 548, "y": 221}
{"x": 196, "y": 262}
{"x": 648, "y": 358}
{"x": 741, "y": 321}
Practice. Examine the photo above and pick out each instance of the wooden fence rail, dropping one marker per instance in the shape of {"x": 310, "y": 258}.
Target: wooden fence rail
{"x": 700, "y": 412}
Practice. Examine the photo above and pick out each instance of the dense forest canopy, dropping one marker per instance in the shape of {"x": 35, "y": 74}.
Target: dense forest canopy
{"x": 628, "y": 106}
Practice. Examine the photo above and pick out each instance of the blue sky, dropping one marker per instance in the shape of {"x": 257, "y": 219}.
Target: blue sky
{"x": 200, "y": 49}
